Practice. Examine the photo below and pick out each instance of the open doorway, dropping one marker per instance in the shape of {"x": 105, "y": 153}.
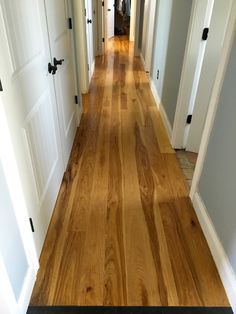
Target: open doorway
{"x": 122, "y": 17}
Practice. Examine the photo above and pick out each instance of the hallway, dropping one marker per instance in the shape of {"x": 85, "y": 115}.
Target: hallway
{"x": 124, "y": 231}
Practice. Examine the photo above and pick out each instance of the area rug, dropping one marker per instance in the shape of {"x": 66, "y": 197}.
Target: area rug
{"x": 126, "y": 310}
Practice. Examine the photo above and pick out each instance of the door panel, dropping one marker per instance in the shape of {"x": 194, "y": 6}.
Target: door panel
{"x": 37, "y": 123}
{"x": 29, "y": 102}
{"x": 23, "y": 43}
{"x": 58, "y": 12}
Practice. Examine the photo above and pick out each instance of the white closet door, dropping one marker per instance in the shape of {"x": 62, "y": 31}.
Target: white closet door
{"x": 110, "y": 18}
{"x": 89, "y": 34}
{"x": 60, "y": 36}
{"x": 29, "y": 102}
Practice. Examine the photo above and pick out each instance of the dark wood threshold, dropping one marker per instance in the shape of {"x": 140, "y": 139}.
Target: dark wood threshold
{"x": 126, "y": 310}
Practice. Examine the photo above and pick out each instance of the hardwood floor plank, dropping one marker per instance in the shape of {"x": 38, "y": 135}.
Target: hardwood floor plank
{"x": 141, "y": 273}
{"x": 146, "y": 184}
{"x": 115, "y": 291}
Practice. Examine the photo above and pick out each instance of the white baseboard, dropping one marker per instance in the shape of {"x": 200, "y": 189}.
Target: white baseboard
{"x": 92, "y": 68}
{"x": 142, "y": 60}
{"x": 223, "y": 265}
{"x": 79, "y": 112}
{"x": 161, "y": 109}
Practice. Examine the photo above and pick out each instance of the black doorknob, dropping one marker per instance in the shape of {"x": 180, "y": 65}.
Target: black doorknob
{"x": 89, "y": 21}
{"x": 109, "y": 10}
{"x": 52, "y": 69}
{"x": 57, "y": 62}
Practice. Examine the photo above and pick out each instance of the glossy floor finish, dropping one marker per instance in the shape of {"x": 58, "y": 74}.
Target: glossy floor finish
{"x": 124, "y": 231}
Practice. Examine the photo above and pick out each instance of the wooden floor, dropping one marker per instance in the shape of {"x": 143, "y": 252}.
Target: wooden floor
{"x": 124, "y": 231}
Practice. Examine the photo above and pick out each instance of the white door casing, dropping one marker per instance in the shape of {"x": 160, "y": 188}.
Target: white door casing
{"x": 110, "y": 19}
{"x": 30, "y": 107}
{"x": 61, "y": 44}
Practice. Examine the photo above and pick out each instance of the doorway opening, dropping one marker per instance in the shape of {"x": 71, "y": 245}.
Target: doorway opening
{"x": 122, "y": 17}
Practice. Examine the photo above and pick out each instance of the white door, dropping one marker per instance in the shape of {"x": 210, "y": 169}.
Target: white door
{"x": 29, "y": 103}
{"x": 61, "y": 43}
{"x": 89, "y": 35}
{"x": 110, "y": 19}
{"x": 214, "y": 46}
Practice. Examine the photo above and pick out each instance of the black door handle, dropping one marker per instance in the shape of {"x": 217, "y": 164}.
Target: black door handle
{"x": 52, "y": 69}
{"x": 89, "y": 21}
{"x": 57, "y": 62}
{"x": 109, "y": 10}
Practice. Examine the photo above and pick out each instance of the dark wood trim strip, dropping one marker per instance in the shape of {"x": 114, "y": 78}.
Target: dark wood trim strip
{"x": 126, "y": 310}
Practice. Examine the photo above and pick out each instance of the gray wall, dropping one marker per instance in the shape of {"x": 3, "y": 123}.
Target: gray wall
{"x": 140, "y": 39}
{"x": 217, "y": 185}
{"x": 172, "y": 23}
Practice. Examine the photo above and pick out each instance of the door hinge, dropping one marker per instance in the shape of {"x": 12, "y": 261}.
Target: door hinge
{"x": 103, "y": 3}
{"x": 189, "y": 119}
{"x": 88, "y": 67}
{"x": 76, "y": 99}
{"x": 1, "y": 89}
{"x": 70, "y": 24}
{"x": 103, "y": 40}
{"x": 85, "y": 13}
{"x": 31, "y": 224}
{"x": 205, "y": 33}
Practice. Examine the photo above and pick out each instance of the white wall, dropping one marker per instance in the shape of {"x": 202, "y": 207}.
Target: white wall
{"x": 132, "y": 20}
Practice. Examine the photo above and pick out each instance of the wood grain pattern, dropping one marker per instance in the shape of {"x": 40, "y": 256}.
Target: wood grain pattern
{"x": 124, "y": 231}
